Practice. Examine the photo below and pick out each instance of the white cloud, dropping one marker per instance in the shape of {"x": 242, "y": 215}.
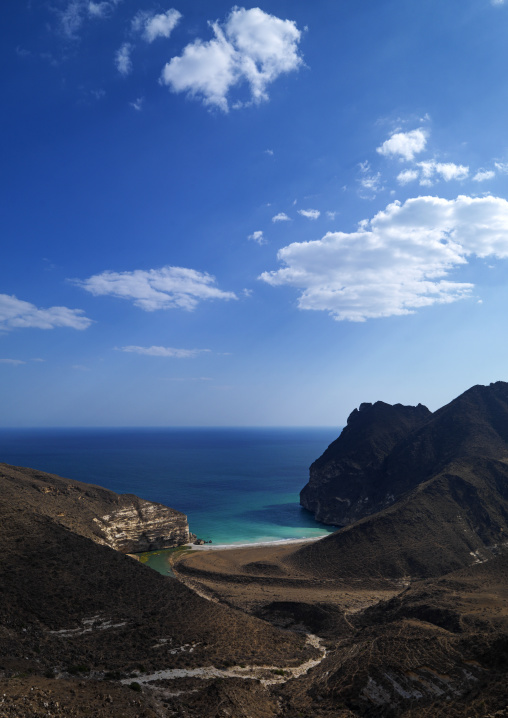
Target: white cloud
{"x": 281, "y": 217}
{"x": 154, "y": 26}
{"x": 152, "y": 289}
{"x": 98, "y": 9}
{"x": 12, "y": 362}
{"x": 398, "y": 261}
{"x": 165, "y": 352}
{"x": 269, "y": 152}
{"x": 483, "y": 175}
{"x": 17, "y": 313}
{"x": 309, "y": 213}
{"x": 502, "y": 167}
{"x": 497, "y": 2}
{"x": 71, "y": 18}
{"x": 123, "y": 60}
{"x": 407, "y": 176}
{"x": 405, "y": 145}
{"x": 258, "y": 237}
{"x": 74, "y": 14}
{"x": 429, "y": 170}
{"x": 447, "y": 170}
{"x": 331, "y": 215}
{"x": 251, "y": 46}
{"x": 371, "y": 183}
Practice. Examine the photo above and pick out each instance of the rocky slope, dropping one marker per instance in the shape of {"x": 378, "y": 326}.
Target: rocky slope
{"x": 342, "y": 484}
{"x": 437, "y": 498}
{"x": 124, "y": 522}
{"x": 438, "y": 650}
{"x": 79, "y": 621}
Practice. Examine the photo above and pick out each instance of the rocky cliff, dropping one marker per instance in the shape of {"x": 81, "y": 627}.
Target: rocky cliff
{"x": 143, "y": 526}
{"x": 413, "y": 501}
{"x": 122, "y": 521}
{"x": 386, "y": 451}
{"x": 343, "y": 481}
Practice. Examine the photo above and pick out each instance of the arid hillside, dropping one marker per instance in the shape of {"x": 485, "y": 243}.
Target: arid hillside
{"x": 77, "y": 613}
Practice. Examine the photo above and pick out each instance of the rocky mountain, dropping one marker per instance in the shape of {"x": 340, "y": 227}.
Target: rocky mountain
{"x": 122, "y": 521}
{"x": 342, "y": 483}
{"x": 429, "y": 498}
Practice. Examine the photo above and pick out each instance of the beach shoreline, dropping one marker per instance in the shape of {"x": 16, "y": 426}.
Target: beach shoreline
{"x": 258, "y": 544}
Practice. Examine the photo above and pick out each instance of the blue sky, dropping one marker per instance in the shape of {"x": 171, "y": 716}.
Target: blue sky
{"x": 250, "y": 215}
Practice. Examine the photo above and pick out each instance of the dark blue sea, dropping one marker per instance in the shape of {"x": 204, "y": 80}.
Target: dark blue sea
{"x": 235, "y": 485}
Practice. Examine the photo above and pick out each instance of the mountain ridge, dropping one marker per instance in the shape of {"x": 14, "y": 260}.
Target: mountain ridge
{"x": 438, "y": 499}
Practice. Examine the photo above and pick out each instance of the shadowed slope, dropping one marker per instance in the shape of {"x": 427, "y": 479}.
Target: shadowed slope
{"x": 446, "y": 486}
{"x": 66, "y": 600}
{"x": 343, "y": 480}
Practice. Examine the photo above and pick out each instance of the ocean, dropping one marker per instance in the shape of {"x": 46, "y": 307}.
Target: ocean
{"x": 235, "y": 485}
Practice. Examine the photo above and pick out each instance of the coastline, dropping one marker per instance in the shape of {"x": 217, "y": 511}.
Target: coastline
{"x": 258, "y": 544}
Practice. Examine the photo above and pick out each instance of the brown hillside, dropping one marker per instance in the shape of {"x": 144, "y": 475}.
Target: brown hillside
{"x": 66, "y": 601}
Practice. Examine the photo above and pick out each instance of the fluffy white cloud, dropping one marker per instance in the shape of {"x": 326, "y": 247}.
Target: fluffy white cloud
{"x": 123, "y": 60}
{"x": 429, "y": 170}
{"x": 309, "y": 213}
{"x": 502, "y": 167}
{"x": 165, "y": 352}
{"x": 405, "y": 145}
{"x": 251, "y": 46}
{"x": 398, "y": 261}
{"x": 407, "y": 176}
{"x": 447, "y": 170}
{"x": 154, "y": 26}
{"x": 17, "y": 313}
{"x": 258, "y": 237}
{"x": 483, "y": 175}
{"x": 281, "y": 217}
{"x": 165, "y": 288}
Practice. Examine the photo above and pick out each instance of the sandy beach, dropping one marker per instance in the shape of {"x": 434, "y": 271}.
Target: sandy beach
{"x": 254, "y": 545}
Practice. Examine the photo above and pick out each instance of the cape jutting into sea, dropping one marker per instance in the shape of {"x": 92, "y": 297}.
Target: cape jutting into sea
{"x": 235, "y": 485}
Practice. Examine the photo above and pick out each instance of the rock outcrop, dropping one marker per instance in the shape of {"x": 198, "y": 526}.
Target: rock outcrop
{"x": 144, "y": 526}
{"x": 124, "y": 522}
{"x": 343, "y": 481}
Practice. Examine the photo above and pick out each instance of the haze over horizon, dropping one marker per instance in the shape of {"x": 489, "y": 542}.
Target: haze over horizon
{"x": 265, "y": 215}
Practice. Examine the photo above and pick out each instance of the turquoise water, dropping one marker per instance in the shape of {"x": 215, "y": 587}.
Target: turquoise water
{"x": 235, "y": 485}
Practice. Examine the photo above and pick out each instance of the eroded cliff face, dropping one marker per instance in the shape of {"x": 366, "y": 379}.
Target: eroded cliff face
{"x": 124, "y": 522}
{"x": 143, "y": 526}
